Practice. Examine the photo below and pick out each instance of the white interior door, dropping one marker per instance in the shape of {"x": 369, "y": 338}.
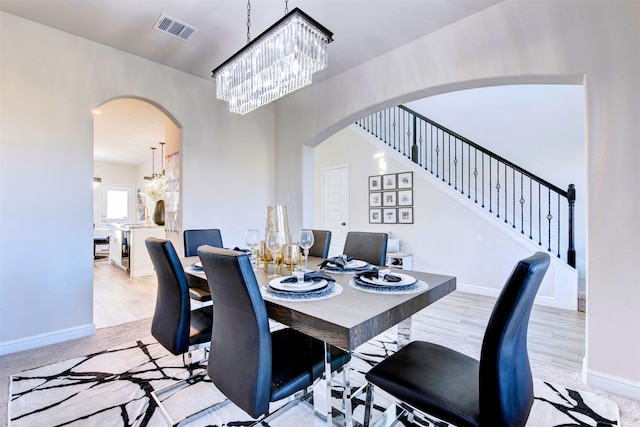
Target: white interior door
{"x": 335, "y": 206}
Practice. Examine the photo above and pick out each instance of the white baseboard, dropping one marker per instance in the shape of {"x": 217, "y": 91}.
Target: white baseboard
{"x": 47, "y": 339}
{"x": 611, "y": 383}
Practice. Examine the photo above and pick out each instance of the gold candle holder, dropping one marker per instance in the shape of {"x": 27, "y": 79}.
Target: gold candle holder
{"x": 263, "y": 255}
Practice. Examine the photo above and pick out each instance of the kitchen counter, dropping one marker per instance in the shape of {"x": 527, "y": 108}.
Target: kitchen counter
{"x": 128, "y": 250}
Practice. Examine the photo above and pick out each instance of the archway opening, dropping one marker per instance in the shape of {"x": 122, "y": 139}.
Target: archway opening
{"x": 125, "y": 131}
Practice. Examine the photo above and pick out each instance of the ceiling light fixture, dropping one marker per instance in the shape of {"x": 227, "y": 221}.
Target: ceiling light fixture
{"x": 156, "y": 184}
{"x": 277, "y": 62}
{"x": 155, "y": 175}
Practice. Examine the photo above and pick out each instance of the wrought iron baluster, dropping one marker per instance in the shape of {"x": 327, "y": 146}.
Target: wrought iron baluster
{"x": 455, "y": 162}
{"x": 558, "y": 222}
{"x": 449, "y": 157}
{"x": 438, "y": 155}
{"x": 490, "y": 188}
{"x": 539, "y": 214}
{"x": 549, "y": 218}
{"x": 468, "y": 171}
{"x": 530, "y": 209}
{"x": 482, "y": 180}
{"x": 522, "y": 203}
{"x": 431, "y": 132}
{"x": 498, "y": 189}
{"x": 506, "y": 182}
{"x": 513, "y": 198}
{"x": 475, "y": 175}
{"x": 571, "y": 250}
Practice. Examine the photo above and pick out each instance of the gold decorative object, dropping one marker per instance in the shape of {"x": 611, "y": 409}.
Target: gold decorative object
{"x": 263, "y": 255}
{"x": 278, "y": 220}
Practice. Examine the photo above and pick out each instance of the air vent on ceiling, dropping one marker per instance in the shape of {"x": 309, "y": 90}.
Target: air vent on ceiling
{"x": 174, "y": 27}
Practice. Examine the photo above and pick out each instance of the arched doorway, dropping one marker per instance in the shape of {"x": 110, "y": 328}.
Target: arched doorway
{"x": 125, "y": 131}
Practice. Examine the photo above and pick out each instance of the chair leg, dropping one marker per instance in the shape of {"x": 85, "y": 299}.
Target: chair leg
{"x": 367, "y": 405}
{"x": 347, "y": 404}
{"x": 170, "y": 391}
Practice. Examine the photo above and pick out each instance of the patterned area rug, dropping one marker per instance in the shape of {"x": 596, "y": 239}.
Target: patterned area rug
{"x": 113, "y": 388}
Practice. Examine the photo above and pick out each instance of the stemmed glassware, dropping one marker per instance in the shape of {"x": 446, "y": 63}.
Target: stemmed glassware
{"x": 252, "y": 239}
{"x": 306, "y": 241}
{"x": 274, "y": 244}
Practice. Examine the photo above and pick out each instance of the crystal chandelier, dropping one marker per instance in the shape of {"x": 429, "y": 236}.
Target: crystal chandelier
{"x": 277, "y": 62}
{"x": 156, "y": 184}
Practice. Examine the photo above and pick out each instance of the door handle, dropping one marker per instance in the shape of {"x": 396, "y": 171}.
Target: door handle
{"x": 344, "y": 223}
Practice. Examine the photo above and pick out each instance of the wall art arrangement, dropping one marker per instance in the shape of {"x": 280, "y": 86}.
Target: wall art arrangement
{"x": 391, "y": 198}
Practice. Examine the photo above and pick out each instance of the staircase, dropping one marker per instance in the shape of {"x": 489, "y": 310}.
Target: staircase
{"x": 522, "y": 201}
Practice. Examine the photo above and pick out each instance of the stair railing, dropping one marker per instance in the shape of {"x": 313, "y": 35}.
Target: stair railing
{"x": 526, "y": 202}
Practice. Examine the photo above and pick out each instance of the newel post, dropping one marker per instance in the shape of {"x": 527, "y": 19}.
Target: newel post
{"x": 571, "y": 251}
{"x": 414, "y": 147}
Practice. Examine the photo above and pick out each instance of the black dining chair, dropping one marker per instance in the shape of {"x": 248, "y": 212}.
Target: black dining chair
{"x": 195, "y": 238}
{"x": 495, "y": 391}
{"x": 321, "y": 243}
{"x": 367, "y": 246}
{"x": 174, "y": 325}
{"x": 251, "y": 365}
{"x": 192, "y": 240}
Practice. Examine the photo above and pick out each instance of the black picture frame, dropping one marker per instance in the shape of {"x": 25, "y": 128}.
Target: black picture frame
{"x": 405, "y": 198}
{"x": 389, "y": 181}
{"x": 375, "y": 183}
{"x": 375, "y": 199}
{"x": 375, "y": 216}
{"x": 389, "y": 215}
{"x": 389, "y": 198}
{"x": 405, "y": 215}
{"x": 405, "y": 180}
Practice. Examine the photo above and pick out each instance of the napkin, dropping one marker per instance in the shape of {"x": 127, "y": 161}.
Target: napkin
{"x": 314, "y": 275}
{"x": 338, "y": 261}
{"x": 373, "y": 274}
{"x": 237, "y": 249}
{"x": 197, "y": 267}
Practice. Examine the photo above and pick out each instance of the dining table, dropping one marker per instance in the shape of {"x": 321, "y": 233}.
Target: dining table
{"x": 347, "y": 319}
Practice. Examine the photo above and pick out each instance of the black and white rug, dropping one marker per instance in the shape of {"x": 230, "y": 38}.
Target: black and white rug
{"x": 113, "y": 388}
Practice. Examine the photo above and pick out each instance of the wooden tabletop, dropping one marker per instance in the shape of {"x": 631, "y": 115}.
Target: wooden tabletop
{"x": 353, "y": 317}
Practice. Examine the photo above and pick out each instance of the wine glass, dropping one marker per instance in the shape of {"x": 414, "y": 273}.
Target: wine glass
{"x": 306, "y": 241}
{"x": 252, "y": 239}
{"x": 274, "y": 244}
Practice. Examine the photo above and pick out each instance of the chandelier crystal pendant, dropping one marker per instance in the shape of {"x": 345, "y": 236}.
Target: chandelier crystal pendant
{"x": 277, "y": 62}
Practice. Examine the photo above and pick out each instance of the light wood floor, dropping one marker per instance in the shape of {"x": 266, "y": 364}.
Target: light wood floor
{"x": 556, "y": 337}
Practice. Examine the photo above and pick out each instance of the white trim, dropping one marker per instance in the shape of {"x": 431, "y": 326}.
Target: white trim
{"x": 611, "y": 383}
{"x": 47, "y": 339}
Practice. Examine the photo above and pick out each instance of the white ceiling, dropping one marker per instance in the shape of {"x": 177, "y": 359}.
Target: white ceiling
{"x": 363, "y": 29}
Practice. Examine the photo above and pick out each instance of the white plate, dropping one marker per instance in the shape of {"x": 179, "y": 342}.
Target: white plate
{"x": 356, "y": 263}
{"x": 307, "y": 286}
{"x": 406, "y": 280}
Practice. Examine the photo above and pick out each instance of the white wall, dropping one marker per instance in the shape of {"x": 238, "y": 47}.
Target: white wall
{"x": 524, "y": 43}
{"x": 49, "y": 84}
